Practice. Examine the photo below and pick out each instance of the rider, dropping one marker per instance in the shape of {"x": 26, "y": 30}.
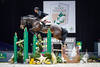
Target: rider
{"x": 39, "y": 14}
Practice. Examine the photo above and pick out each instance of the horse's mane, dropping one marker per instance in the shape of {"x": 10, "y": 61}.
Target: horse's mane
{"x": 30, "y": 17}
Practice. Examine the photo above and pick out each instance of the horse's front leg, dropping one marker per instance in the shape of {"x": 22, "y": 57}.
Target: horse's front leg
{"x": 31, "y": 31}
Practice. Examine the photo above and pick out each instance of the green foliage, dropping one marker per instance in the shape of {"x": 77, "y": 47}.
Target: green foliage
{"x": 31, "y": 56}
{"x": 19, "y": 53}
{"x": 59, "y": 60}
{"x": 39, "y": 44}
{"x": 93, "y": 58}
{"x": 20, "y": 57}
{"x": 36, "y": 55}
{"x": 40, "y": 48}
{"x": 48, "y": 55}
{"x": 21, "y": 47}
{"x": 98, "y": 58}
{"x": 81, "y": 56}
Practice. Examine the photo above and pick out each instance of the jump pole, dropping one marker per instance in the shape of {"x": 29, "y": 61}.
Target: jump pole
{"x": 15, "y": 48}
{"x": 25, "y": 44}
{"x": 49, "y": 41}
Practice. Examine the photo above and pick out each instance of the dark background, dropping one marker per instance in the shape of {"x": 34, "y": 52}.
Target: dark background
{"x": 87, "y": 20}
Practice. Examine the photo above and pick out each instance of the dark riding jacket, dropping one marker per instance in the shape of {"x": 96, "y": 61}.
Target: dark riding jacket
{"x": 40, "y": 14}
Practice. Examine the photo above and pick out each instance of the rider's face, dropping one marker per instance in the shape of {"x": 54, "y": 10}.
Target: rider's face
{"x": 36, "y": 11}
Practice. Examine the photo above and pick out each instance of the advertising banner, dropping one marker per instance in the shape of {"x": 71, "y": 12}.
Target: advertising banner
{"x": 61, "y": 13}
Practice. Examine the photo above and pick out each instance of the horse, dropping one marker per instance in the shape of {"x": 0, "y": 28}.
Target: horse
{"x": 36, "y": 26}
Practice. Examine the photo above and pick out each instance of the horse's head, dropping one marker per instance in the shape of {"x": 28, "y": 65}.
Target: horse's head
{"x": 23, "y": 23}
{"x": 31, "y": 22}
{"x": 26, "y": 20}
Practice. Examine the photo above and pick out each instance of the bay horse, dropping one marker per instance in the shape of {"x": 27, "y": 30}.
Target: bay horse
{"x": 36, "y": 26}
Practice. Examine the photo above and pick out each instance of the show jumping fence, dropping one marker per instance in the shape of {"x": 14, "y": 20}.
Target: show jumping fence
{"x": 25, "y": 40}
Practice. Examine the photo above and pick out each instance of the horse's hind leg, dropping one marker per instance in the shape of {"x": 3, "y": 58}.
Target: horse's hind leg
{"x": 30, "y": 30}
{"x": 64, "y": 35}
{"x": 64, "y": 38}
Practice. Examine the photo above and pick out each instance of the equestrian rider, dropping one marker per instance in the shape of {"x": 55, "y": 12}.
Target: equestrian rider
{"x": 40, "y": 15}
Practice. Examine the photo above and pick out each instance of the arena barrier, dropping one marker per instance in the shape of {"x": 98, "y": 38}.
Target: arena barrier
{"x": 25, "y": 41}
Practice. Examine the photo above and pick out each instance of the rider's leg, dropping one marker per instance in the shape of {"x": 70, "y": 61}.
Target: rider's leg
{"x": 43, "y": 24}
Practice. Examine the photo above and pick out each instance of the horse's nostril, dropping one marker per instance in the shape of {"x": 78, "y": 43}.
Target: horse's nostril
{"x": 21, "y": 26}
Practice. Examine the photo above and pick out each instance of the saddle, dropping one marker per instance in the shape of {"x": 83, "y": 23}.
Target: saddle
{"x": 46, "y": 23}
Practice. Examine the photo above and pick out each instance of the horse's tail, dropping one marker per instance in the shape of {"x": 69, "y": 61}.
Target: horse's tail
{"x": 64, "y": 35}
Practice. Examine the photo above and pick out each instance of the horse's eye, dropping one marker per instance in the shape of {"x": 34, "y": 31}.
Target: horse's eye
{"x": 24, "y": 20}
